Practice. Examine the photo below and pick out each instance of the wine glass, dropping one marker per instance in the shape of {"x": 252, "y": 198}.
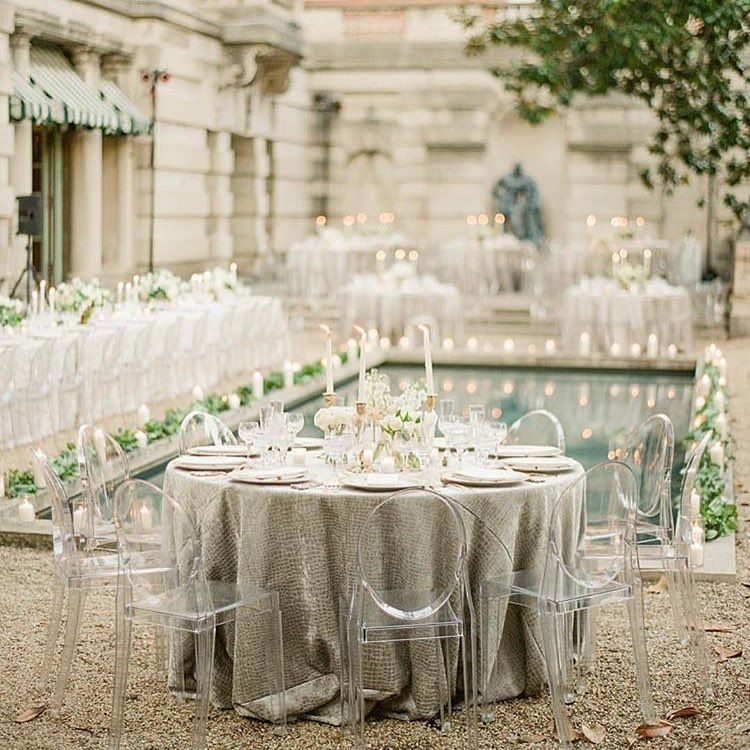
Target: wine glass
{"x": 295, "y": 422}
{"x": 247, "y": 431}
{"x": 266, "y": 415}
{"x": 461, "y": 436}
{"x": 485, "y": 442}
{"x": 476, "y": 414}
{"x": 500, "y": 429}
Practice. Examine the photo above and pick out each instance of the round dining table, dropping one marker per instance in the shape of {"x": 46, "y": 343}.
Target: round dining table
{"x": 301, "y": 540}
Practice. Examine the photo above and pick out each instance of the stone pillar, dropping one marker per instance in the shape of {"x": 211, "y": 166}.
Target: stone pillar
{"x": 86, "y": 197}
{"x": 22, "y": 159}
{"x": 116, "y": 68}
{"x": 220, "y": 195}
{"x": 739, "y": 319}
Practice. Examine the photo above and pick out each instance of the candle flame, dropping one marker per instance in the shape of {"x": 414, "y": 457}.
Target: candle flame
{"x": 361, "y": 331}
{"x": 325, "y": 329}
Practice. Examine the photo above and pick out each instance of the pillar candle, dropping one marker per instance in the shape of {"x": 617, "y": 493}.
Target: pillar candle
{"x": 288, "y": 375}
{"x": 128, "y": 292}
{"x": 42, "y": 294}
{"x": 388, "y": 464}
{"x": 34, "y": 302}
{"x": 26, "y": 512}
{"x": 351, "y": 347}
{"x": 652, "y": 345}
{"x": 120, "y": 292}
{"x": 233, "y": 271}
{"x": 144, "y": 414}
{"x": 362, "y": 364}
{"x": 147, "y": 518}
{"x": 427, "y": 359}
{"x": 695, "y": 504}
{"x": 696, "y": 555}
{"x": 584, "y": 344}
{"x": 51, "y": 296}
{"x": 257, "y": 385}
{"x": 329, "y": 358}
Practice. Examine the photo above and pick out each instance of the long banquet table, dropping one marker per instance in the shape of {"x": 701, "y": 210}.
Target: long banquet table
{"x": 301, "y": 543}
{"x": 56, "y": 376}
{"x": 613, "y": 316}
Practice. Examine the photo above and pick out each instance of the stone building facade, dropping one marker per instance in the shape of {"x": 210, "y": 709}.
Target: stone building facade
{"x": 272, "y": 113}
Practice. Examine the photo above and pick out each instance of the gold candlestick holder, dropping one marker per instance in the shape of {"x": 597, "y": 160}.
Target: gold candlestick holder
{"x": 430, "y": 401}
{"x": 430, "y": 418}
{"x": 330, "y": 399}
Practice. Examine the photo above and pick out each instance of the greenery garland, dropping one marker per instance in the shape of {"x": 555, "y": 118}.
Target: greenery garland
{"x": 710, "y": 416}
{"x": 21, "y": 482}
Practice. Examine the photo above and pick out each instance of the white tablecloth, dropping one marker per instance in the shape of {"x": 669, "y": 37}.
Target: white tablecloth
{"x": 617, "y": 317}
{"x": 396, "y": 309}
{"x": 482, "y": 267}
{"x": 52, "y": 378}
{"x": 320, "y": 265}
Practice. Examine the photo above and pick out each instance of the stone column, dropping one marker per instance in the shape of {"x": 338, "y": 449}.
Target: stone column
{"x": 220, "y": 195}
{"x": 21, "y": 160}
{"x": 116, "y": 68}
{"x": 86, "y": 195}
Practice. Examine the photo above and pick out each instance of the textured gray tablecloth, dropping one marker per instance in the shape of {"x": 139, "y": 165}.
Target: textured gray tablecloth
{"x": 302, "y": 544}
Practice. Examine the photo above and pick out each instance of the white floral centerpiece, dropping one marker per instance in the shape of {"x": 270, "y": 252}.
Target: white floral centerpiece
{"x": 399, "y": 272}
{"x": 393, "y": 418}
{"x": 81, "y": 297}
{"x": 12, "y": 311}
{"x": 629, "y": 276}
{"x": 223, "y": 280}
{"x": 334, "y": 419}
{"x": 161, "y": 285}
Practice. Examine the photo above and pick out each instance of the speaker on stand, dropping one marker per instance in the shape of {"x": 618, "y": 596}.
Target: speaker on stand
{"x": 30, "y": 224}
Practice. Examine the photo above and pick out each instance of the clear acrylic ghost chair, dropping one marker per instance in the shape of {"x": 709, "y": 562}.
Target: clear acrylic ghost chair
{"x": 103, "y": 465}
{"x": 539, "y": 427}
{"x": 423, "y": 596}
{"x": 591, "y": 561}
{"x": 666, "y": 546}
{"x": 200, "y": 428}
{"x": 185, "y": 601}
{"x": 76, "y": 570}
{"x": 649, "y": 452}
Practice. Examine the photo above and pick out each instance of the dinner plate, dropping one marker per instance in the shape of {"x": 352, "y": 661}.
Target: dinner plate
{"x": 311, "y": 443}
{"x": 223, "y": 450}
{"x": 523, "y": 451}
{"x": 208, "y": 463}
{"x": 485, "y": 477}
{"x": 281, "y": 475}
{"x": 376, "y": 482}
{"x": 543, "y": 465}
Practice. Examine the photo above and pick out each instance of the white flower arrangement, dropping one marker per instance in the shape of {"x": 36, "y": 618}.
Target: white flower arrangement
{"x": 223, "y": 281}
{"x": 631, "y": 277}
{"x": 78, "y": 296}
{"x": 160, "y": 285}
{"x": 399, "y": 272}
{"x": 334, "y": 418}
{"x": 12, "y": 311}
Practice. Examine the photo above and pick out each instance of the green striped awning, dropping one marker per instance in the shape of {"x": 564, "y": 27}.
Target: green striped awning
{"x": 54, "y": 93}
{"x": 132, "y": 121}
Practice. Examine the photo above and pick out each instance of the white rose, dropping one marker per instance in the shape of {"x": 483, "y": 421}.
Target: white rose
{"x": 704, "y": 386}
{"x": 234, "y": 401}
{"x": 700, "y": 403}
{"x": 392, "y": 423}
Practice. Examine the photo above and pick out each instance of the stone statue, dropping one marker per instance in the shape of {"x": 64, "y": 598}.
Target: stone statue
{"x": 517, "y": 198}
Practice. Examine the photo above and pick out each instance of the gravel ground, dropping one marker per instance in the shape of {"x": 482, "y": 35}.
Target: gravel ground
{"x": 155, "y": 721}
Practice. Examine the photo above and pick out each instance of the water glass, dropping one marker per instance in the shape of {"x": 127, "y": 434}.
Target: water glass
{"x": 247, "y": 432}
{"x": 295, "y": 422}
{"x": 476, "y": 414}
{"x": 461, "y": 437}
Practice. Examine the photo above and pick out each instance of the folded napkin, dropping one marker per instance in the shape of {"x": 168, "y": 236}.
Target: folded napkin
{"x": 219, "y": 450}
{"x": 477, "y": 473}
{"x": 282, "y": 473}
{"x": 207, "y": 463}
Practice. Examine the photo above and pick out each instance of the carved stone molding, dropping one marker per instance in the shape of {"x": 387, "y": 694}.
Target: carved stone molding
{"x": 263, "y": 66}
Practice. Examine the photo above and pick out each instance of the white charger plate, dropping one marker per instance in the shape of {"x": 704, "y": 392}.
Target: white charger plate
{"x": 283, "y": 475}
{"x": 208, "y": 463}
{"x": 486, "y": 477}
{"x": 376, "y": 482}
{"x": 542, "y": 465}
{"x": 223, "y": 450}
{"x": 524, "y": 451}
